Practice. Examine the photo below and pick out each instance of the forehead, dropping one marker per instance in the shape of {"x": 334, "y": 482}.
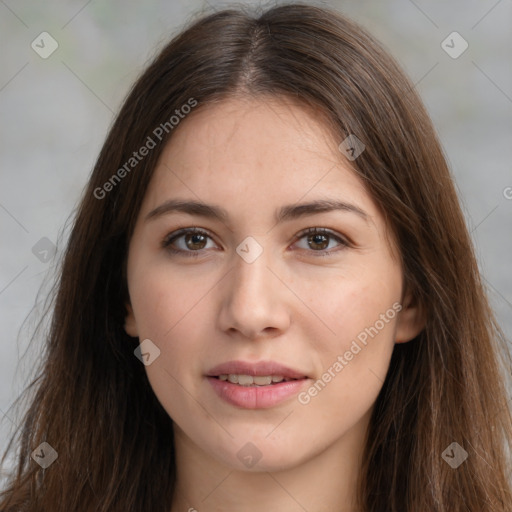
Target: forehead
{"x": 271, "y": 148}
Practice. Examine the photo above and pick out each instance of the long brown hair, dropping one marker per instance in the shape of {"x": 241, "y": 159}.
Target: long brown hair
{"x": 92, "y": 400}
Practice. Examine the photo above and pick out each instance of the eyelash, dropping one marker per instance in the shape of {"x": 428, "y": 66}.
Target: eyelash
{"x": 169, "y": 239}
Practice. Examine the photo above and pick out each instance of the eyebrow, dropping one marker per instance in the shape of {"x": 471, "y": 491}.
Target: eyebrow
{"x": 285, "y": 213}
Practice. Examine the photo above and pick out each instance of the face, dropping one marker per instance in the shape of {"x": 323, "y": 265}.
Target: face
{"x": 287, "y": 272}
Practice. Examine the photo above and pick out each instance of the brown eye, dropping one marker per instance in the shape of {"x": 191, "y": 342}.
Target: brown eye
{"x": 318, "y": 241}
{"x": 189, "y": 242}
{"x": 195, "y": 241}
{"x": 321, "y": 241}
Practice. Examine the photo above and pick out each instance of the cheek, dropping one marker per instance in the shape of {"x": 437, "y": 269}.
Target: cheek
{"x": 173, "y": 374}
{"x": 355, "y": 337}
{"x": 353, "y": 365}
{"x": 170, "y": 307}
{"x": 163, "y": 297}
{"x": 349, "y": 305}
{"x": 161, "y": 303}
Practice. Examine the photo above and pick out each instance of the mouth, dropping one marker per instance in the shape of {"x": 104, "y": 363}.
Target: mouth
{"x": 259, "y": 385}
{"x": 261, "y": 373}
{"x": 254, "y": 380}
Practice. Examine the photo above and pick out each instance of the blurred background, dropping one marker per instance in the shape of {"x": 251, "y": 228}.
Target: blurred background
{"x": 65, "y": 67}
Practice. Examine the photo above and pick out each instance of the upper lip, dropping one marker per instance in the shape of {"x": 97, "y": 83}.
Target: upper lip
{"x": 259, "y": 368}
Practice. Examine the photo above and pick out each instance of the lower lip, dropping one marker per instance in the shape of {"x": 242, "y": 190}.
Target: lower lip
{"x": 256, "y": 397}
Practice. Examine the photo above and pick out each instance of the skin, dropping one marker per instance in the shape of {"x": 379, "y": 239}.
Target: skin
{"x": 252, "y": 156}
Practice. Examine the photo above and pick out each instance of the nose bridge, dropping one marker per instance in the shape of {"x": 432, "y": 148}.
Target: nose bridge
{"x": 252, "y": 300}
{"x": 251, "y": 276}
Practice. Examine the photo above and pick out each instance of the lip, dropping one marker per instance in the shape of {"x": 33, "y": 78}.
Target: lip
{"x": 256, "y": 397}
{"x": 255, "y": 369}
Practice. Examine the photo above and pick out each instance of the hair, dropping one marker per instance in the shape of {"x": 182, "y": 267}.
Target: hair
{"x": 92, "y": 400}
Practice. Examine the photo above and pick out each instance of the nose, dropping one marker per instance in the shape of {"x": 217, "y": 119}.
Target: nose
{"x": 255, "y": 302}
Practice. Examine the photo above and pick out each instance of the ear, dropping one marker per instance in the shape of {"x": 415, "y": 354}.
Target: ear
{"x": 130, "y": 325}
{"x": 411, "y": 320}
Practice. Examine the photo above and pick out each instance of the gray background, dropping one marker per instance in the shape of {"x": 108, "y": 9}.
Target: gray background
{"x": 55, "y": 113}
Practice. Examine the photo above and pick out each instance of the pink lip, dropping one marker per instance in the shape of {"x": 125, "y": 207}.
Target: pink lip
{"x": 256, "y": 397}
{"x": 259, "y": 368}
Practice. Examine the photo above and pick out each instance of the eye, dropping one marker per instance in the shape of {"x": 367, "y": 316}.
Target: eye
{"x": 319, "y": 240}
{"x": 192, "y": 241}
{"x": 189, "y": 241}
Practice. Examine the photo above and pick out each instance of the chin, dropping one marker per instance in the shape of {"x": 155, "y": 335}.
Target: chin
{"x": 257, "y": 454}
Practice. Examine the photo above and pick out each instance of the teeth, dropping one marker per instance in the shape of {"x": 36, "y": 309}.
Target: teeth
{"x": 249, "y": 380}
{"x": 245, "y": 380}
{"x": 262, "y": 380}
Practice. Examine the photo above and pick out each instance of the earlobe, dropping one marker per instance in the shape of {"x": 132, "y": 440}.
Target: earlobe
{"x": 130, "y": 325}
{"x": 411, "y": 320}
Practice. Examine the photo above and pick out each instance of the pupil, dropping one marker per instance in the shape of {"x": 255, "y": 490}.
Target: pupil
{"x": 317, "y": 240}
{"x": 196, "y": 239}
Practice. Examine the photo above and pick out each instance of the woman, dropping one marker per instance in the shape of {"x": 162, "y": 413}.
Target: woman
{"x": 269, "y": 298}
